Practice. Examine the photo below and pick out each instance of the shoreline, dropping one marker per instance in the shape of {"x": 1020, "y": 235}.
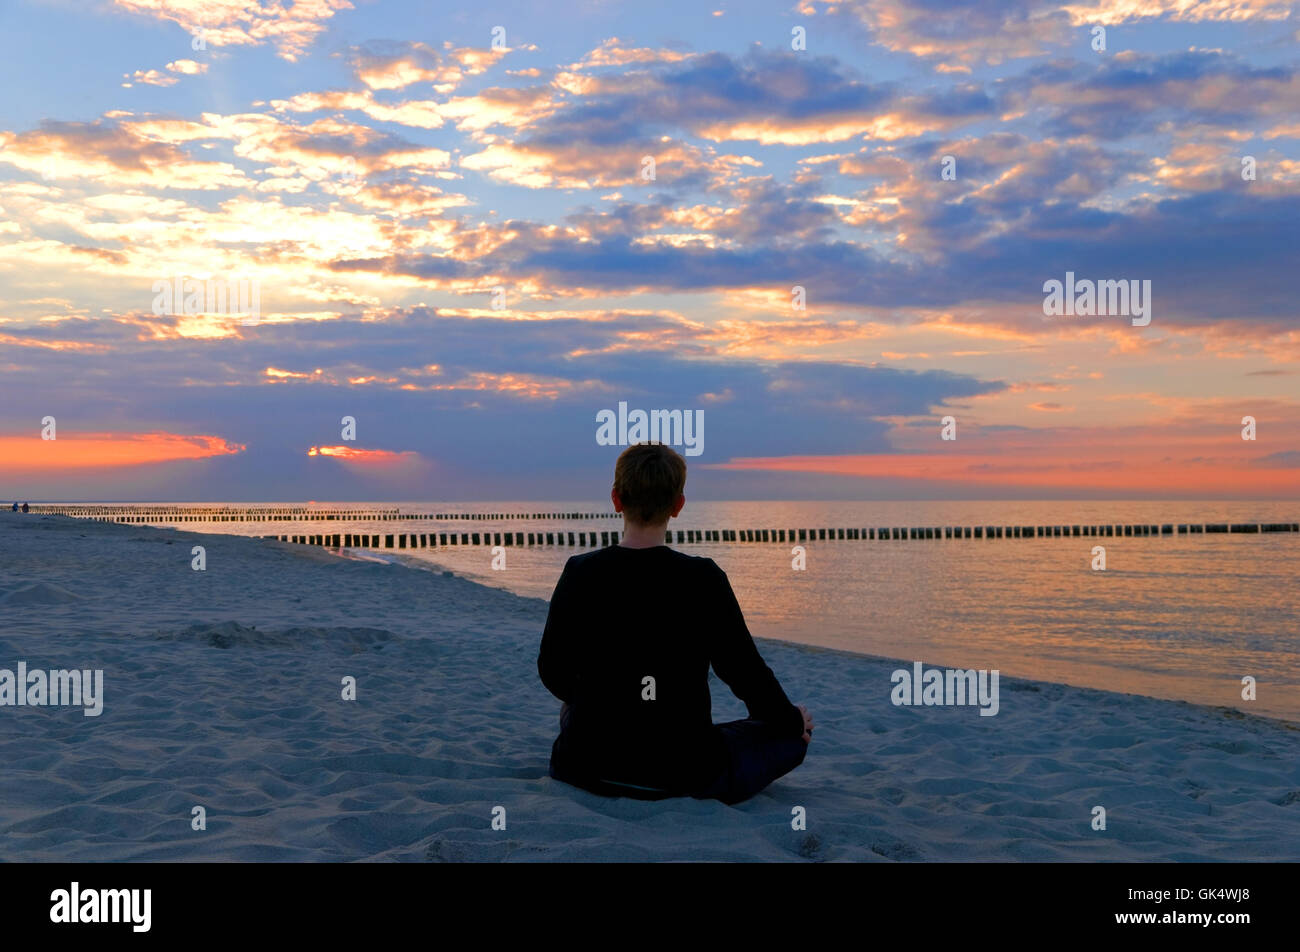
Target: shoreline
{"x": 222, "y": 689}
{"x": 419, "y": 565}
{"x": 312, "y": 553}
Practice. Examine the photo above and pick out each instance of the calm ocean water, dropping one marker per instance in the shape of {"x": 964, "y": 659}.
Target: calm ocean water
{"x": 1179, "y": 617}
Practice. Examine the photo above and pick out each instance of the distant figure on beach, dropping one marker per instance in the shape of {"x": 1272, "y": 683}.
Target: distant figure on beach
{"x": 25, "y": 507}
{"x": 630, "y": 636}
{"x": 15, "y": 507}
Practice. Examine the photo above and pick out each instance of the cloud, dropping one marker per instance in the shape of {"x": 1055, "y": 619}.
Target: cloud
{"x": 396, "y": 65}
{"x": 77, "y": 451}
{"x": 112, "y": 153}
{"x": 613, "y": 53}
{"x": 353, "y": 454}
{"x": 600, "y": 135}
{"x": 957, "y": 36}
{"x": 765, "y": 96}
{"x": 1200, "y": 11}
{"x": 1287, "y": 459}
{"x": 152, "y": 77}
{"x": 380, "y": 216}
{"x": 542, "y": 379}
{"x": 291, "y": 28}
{"x": 1184, "y": 455}
{"x": 1129, "y": 92}
{"x": 544, "y": 165}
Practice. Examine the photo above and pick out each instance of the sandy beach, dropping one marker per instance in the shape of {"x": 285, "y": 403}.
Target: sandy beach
{"x": 223, "y": 689}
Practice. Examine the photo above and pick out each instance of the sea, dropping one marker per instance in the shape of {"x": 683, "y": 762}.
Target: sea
{"x": 1205, "y": 618}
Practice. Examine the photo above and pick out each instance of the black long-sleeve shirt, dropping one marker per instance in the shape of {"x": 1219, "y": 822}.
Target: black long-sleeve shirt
{"x": 620, "y": 615}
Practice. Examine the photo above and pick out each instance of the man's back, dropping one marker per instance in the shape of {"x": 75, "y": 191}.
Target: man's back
{"x": 622, "y": 615}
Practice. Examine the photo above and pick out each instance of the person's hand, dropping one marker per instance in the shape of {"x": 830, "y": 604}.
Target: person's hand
{"x": 807, "y": 723}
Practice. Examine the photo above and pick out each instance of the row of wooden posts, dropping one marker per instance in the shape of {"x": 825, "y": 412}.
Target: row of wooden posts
{"x": 425, "y": 540}
{"x": 178, "y": 514}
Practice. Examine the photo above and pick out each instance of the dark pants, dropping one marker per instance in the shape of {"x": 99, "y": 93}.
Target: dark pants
{"x": 756, "y": 756}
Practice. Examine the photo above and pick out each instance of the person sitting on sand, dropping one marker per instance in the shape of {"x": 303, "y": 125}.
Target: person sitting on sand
{"x": 629, "y": 638}
{"x": 15, "y": 507}
{"x": 25, "y": 507}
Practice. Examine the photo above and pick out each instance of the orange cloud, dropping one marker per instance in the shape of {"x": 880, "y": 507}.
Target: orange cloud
{"x": 98, "y": 450}
{"x": 1175, "y": 458}
{"x": 352, "y": 454}
{"x": 1180, "y": 477}
{"x": 71, "y": 345}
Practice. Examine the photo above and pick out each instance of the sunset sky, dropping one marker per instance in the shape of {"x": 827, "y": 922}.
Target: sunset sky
{"x": 380, "y": 168}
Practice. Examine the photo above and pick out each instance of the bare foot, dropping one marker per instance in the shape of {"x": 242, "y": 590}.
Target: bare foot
{"x": 807, "y": 723}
